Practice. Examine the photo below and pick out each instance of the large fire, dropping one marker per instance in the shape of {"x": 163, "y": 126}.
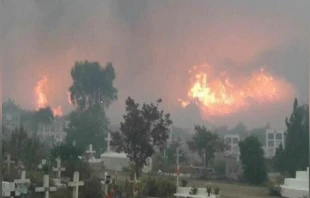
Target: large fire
{"x": 219, "y": 95}
{"x": 41, "y": 99}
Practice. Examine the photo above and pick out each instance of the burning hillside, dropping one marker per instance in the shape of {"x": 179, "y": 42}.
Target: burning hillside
{"x": 41, "y": 99}
{"x": 218, "y": 94}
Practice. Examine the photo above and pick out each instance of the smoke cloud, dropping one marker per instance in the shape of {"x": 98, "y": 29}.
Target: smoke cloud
{"x": 152, "y": 45}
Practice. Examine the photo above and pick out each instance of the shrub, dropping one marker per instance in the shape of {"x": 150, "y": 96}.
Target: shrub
{"x": 273, "y": 186}
{"x": 216, "y": 190}
{"x": 183, "y": 183}
{"x": 92, "y": 189}
{"x": 159, "y": 187}
{"x": 209, "y": 189}
{"x": 193, "y": 191}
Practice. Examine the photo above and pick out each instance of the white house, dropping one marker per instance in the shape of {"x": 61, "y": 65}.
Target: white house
{"x": 274, "y": 137}
{"x": 55, "y": 130}
{"x": 232, "y": 141}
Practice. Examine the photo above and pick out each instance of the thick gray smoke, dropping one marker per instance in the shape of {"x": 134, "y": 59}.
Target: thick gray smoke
{"x": 152, "y": 44}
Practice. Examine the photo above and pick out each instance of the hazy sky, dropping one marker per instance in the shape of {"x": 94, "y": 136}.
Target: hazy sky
{"x": 152, "y": 45}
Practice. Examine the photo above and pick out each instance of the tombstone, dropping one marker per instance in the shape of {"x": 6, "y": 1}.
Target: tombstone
{"x": 58, "y": 168}
{"x": 75, "y": 185}
{"x": 91, "y": 152}
{"x": 178, "y": 155}
{"x": 7, "y": 188}
{"x": 22, "y": 184}
{"x": 46, "y": 187}
{"x": 9, "y": 162}
{"x": 296, "y": 187}
{"x": 108, "y": 139}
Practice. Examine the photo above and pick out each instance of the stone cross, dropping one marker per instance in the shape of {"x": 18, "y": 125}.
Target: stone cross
{"x": 75, "y": 185}
{"x": 135, "y": 181}
{"x": 22, "y": 184}
{"x": 91, "y": 151}
{"x": 46, "y": 187}
{"x": 178, "y": 155}
{"x": 108, "y": 139}
{"x": 58, "y": 168}
{"x": 9, "y": 162}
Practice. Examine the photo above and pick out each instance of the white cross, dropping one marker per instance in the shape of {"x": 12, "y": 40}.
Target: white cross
{"x": 58, "y": 168}
{"x": 108, "y": 139}
{"x": 178, "y": 155}
{"x": 91, "y": 151}
{"x": 46, "y": 187}
{"x": 22, "y": 184}
{"x": 9, "y": 162}
{"x": 75, "y": 185}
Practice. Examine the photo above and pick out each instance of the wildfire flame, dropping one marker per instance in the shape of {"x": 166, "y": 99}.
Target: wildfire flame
{"x": 41, "y": 99}
{"x": 218, "y": 95}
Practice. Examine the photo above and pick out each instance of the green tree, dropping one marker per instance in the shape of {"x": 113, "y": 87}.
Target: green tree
{"x": 92, "y": 92}
{"x": 252, "y": 159}
{"x": 205, "y": 143}
{"x": 143, "y": 129}
{"x": 92, "y": 85}
{"x": 279, "y": 159}
{"x": 44, "y": 116}
{"x": 296, "y": 146}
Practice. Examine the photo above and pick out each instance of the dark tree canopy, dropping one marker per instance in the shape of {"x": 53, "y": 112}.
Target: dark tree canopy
{"x": 44, "y": 115}
{"x": 252, "y": 159}
{"x": 88, "y": 127}
{"x": 205, "y": 143}
{"x": 144, "y": 128}
{"x": 92, "y": 85}
{"x": 296, "y": 145}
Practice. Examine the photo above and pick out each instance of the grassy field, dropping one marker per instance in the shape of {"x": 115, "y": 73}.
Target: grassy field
{"x": 227, "y": 189}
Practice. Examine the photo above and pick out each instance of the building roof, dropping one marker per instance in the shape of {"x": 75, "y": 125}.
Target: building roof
{"x": 113, "y": 154}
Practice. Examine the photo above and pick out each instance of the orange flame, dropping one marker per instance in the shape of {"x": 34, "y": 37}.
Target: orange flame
{"x": 57, "y": 111}
{"x": 217, "y": 95}
{"x": 41, "y": 99}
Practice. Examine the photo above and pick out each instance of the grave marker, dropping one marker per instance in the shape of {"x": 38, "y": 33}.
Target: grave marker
{"x": 108, "y": 139}
{"x": 58, "y": 168}
{"x": 22, "y": 184}
{"x": 91, "y": 152}
{"x": 46, "y": 187}
{"x": 75, "y": 185}
{"x": 178, "y": 155}
{"x": 9, "y": 162}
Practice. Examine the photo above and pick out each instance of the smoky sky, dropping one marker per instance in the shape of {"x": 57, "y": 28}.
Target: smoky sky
{"x": 152, "y": 45}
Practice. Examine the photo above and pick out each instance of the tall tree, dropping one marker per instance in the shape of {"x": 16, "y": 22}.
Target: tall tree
{"x": 252, "y": 159}
{"x": 143, "y": 129}
{"x": 279, "y": 159}
{"x": 205, "y": 143}
{"x": 296, "y": 145}
{"x": 92, "y": 85}
{"x": 92, "y": 92}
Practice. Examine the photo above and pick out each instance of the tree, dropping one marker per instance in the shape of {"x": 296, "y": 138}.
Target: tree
{"x": 86, "y": 128}
{"x": 143, "y": 129}
{"x": 92, "y": 85}
{"x": 252, "y": 159}
{"x": 279, "y": 159}
{"x": 205, "y": 143}
{"x": 92, "y": 91}
{"x": 296, "y": 145}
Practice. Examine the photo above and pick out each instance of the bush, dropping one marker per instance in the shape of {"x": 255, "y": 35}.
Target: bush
{"x": 92, "y": 189}
{"x": 159, "y": 187}
{"x": 183, "y": 183}
{"x": 273, "y": 186}
{"x": 216, "y": 190}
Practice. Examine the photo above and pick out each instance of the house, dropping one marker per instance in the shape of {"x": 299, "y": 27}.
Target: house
{"x": 274, "y": 137}
{"x": 54, "y": 131}
{"x": 232, "y": 145}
